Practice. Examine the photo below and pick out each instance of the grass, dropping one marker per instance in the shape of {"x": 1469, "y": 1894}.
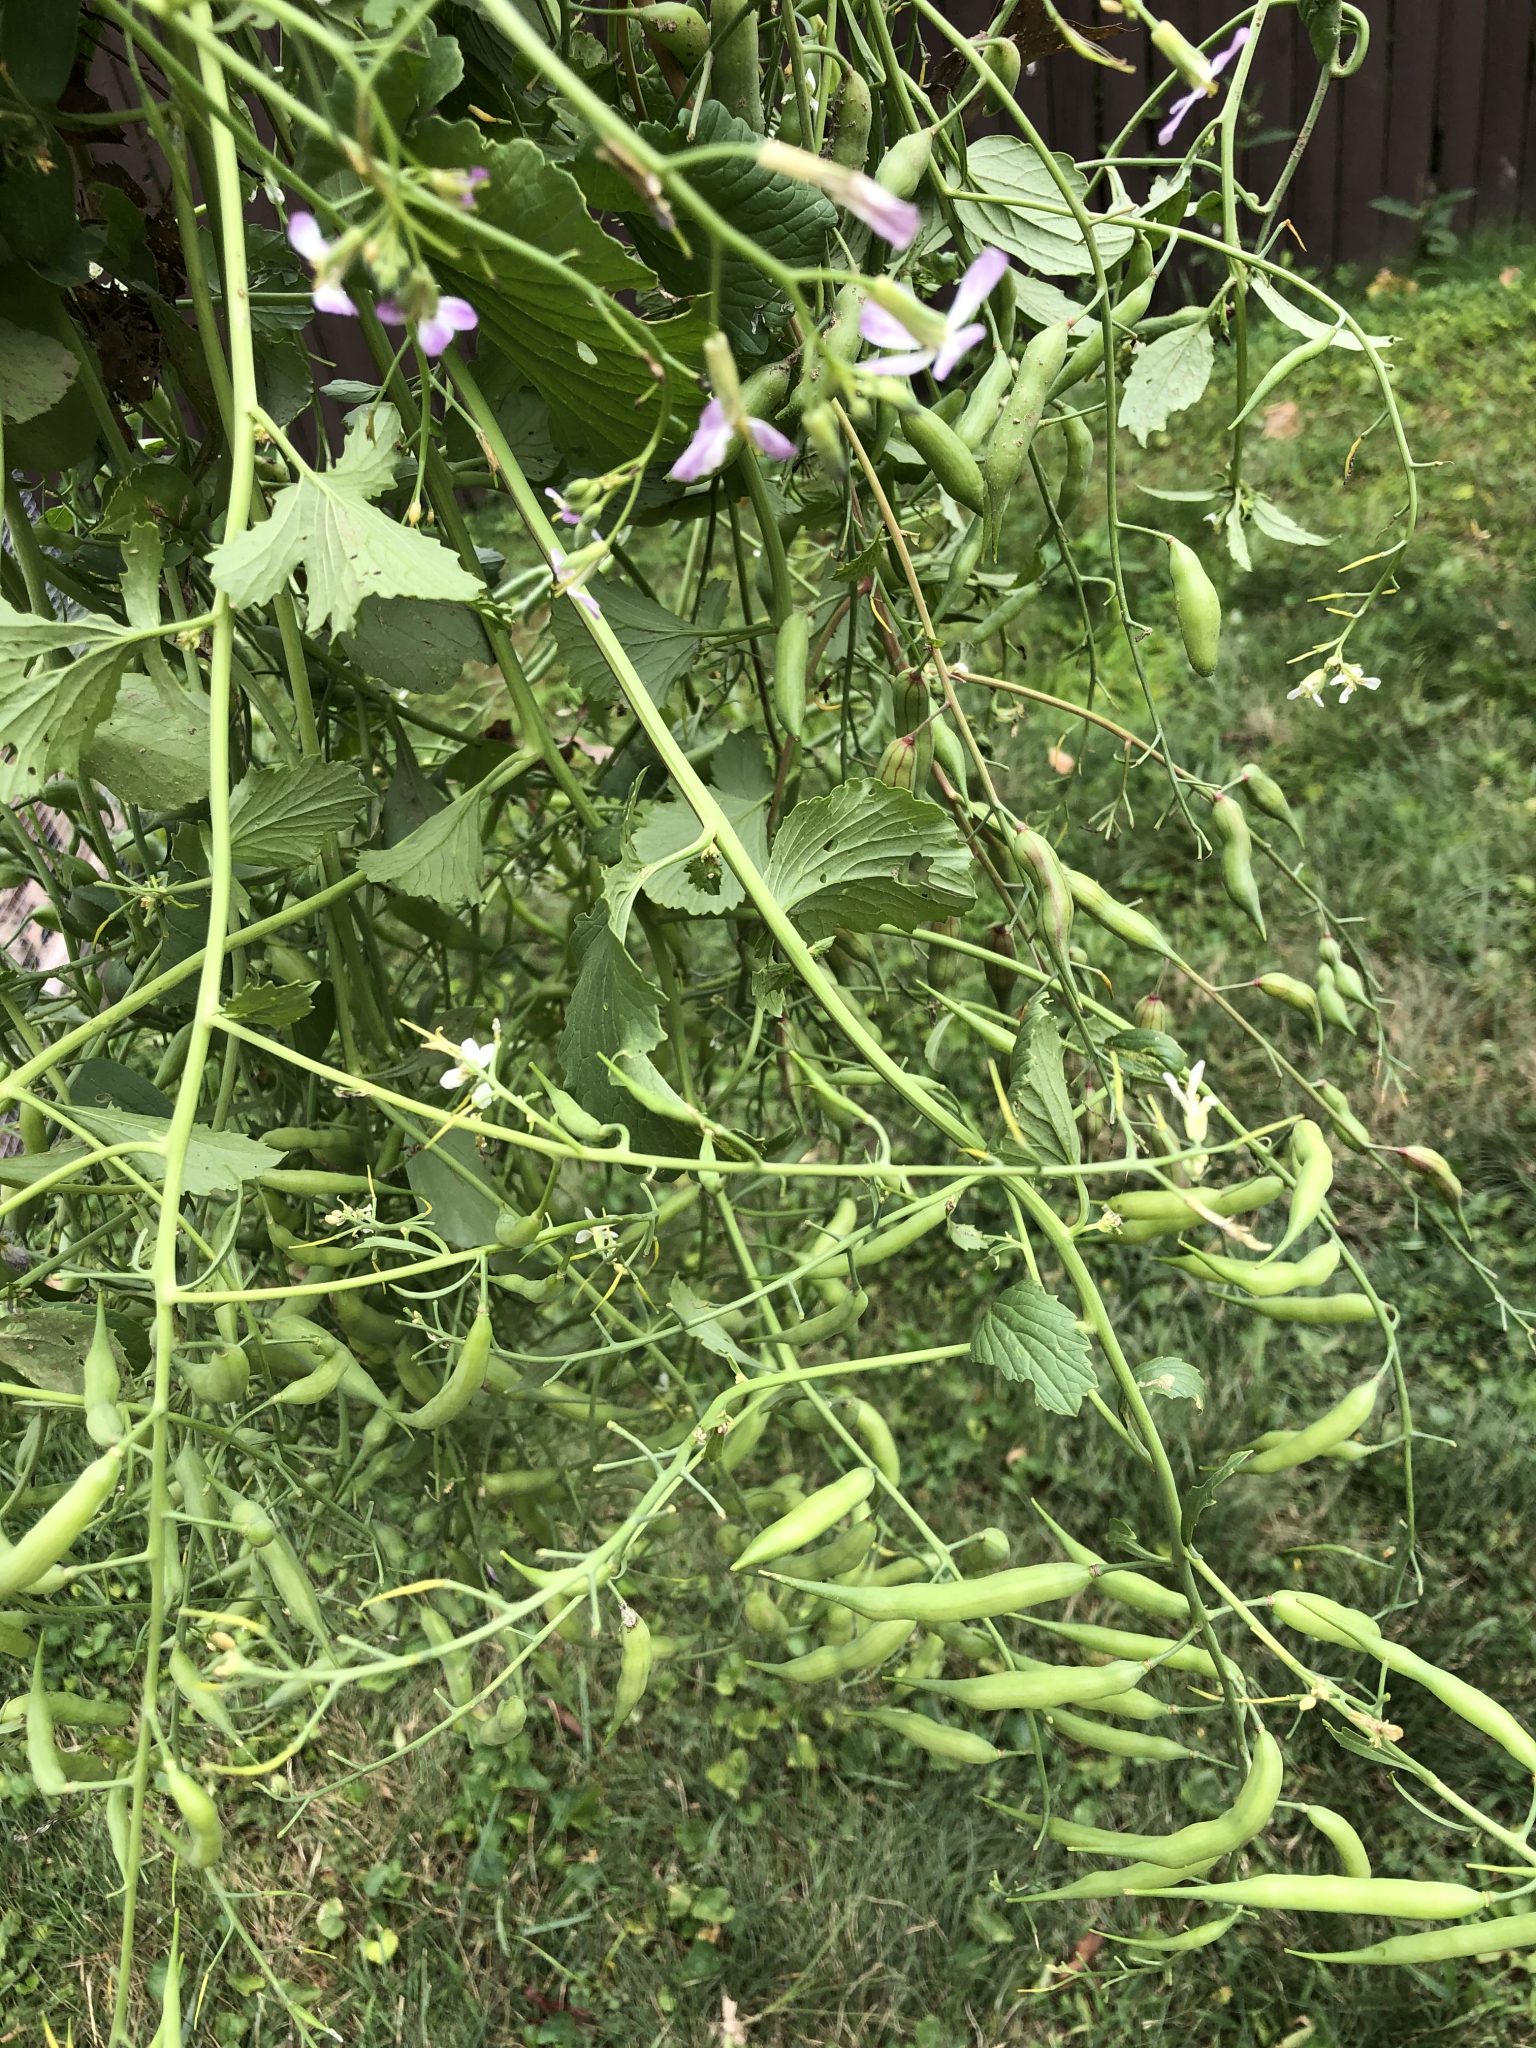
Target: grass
{"x": 743, "y": 1850}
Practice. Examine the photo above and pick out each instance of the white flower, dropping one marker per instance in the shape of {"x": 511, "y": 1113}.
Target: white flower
{"x": 602, "y": 1237}
{"x": 1193, "y": 1101}
{"x": 1352, "y": 677}
{"x": 475, "y": 1064}
{"x": 1311, "y": 687}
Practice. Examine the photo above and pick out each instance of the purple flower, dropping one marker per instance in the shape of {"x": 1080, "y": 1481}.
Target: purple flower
{"x": 476, "y": 176}
{"x": 436, "y": 329}
{"x": 714, "y": 437}
{"x": 961, "y": 331}
{"x": 565, "y": 512}
{"x": 1186, "y": 101}
{"x": 571, "y": 573}
{"x": 894, "y": 220}
{"x": 305, "y": 238}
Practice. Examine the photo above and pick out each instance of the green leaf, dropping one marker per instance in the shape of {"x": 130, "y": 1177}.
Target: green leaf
{"x": 153, "y": 749}
{"x": 35, "y": 373}
{"x": 269, "y": 1005}
{"x": 108, "y": 1084}
{"x": 218, "y": 1162}
{"x": 281, "y": 817}
{"x": 1323, "y": 21}
{"x": 47, "y": 714}
{"x": 660, "y": 644}
{"x": 1268, "y": 518}
{"x": 703, "y": 886}
{"x": 1147, "y": 1055}
{"x": 440, "y": 860}
{"x": 450, "y": 1177}
{"x": 1013, "y": 202}
{"x": 701, "y": 1319}
{"x": 1307, "y": 324}
{"x": 1172, "y": 1378}
{"x": 613, "y": 1012}
{"x": 1169, "y": 375}
{"x": 1037, "y": 1089}
{"x": 868, "y": 855}
{"x": 349, "y": 550}
{"x": 47, "y": 1347}
{"x": 415, "y": 644}
{"x": 1027, "y": 1334}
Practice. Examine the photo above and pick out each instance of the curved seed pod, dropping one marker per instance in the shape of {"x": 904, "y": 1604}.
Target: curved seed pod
{"x": 1327, "y": 1621}
{"x": 1269, "y": 796}
{"x": 634, "y": 1667}
{"x": 1124, "y": 1642}
{"x": 1335, "y": 1829}
{"x": 462, "y": 1384}
{"x": 1325, "y": 1310}
{"x": 219, "y": 1377}
{"x": 956, "y": 1745}
{"x": 980, "y": 409}
{"x": 1123, "y": 1882}
{"x": 1264, "y": 1277}
{"x": 1230, "y": 829}
{"x": 1467, "y": 1702}
{"x": 1177, "y": 1944}
{"x": 38, "y": 1549}
{"x": 905, "y": 164}
{"x": 812, "y": 1518}
{"x": 1345, "y": 973}
{"x": 1009, "y": 1592}
{"x": 1203, "y": 1841}
{"x": 1007, "y": 451}
{"x": 291, "y": 1583}
{"x": 844, "y": 1553}
{"x": 832, "y": 1661}
{"x": 1331, "y": 1006}
{"x": 1341, "y": 1421}
{"x": 1434, "y": 1167}
{"x": 1312, "y": 1160}
{"x": 1038, "y": 865}
{"x": 1345, "y": 1122}
{"x": 1134, "y": 1743}
{"x": 205, "y": 1837}
{"x": 1481, "y": 1938}
{"x": 1131, "y": 1588}
{"x": 48, "y": 1772}
{"x": 1198, "y": 606}
{"x": 953, "y": 465}
{"x": 1052, "y": 1685}
{"x": 1079, "y": 465}
{"x": 1296, "y": 995}
{"x": 1389, "y": 1898}
{"x": 1116, "y": 918}
{"x": 205, "y": 1700}
{"x": 950, "y": 753}
{"x": 1005, "y": 64}
{"x": 1089, "y": 352}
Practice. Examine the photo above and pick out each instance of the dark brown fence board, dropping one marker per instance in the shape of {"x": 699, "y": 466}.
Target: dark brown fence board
{"x": 1362, "y": 159}
{"x": 1506, "y": 90}
{"x": 1413, "y": 34}
{"x": 1464, "y": 27}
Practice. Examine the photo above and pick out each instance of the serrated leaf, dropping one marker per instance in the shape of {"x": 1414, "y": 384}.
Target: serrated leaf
{"x": 271, "y": 1004}
{"x": 1013, "y": 202}
{"x": 47, "y": 714}
{"x": 218, "y": 1162}
{"x": 1268, "y": 518}
{"x": 416, "y": 644}
{"x": 660, "y": 644}
{"x": 1169, "y": 375}
{"x": 153, "y": 749}
{"x": 440, "y": 860}
{"x": 348, "y": 550}
{"x": 281, "y": 817}
{"x": 743, "y": 784}
{"x": 1147, "y": 1055}
{"x": 614, "y": 1011}
{"x": 1037, "y": 1089}
{"x": 35, "y": 373}
{"x": 47, "y": 1347}
{"x": 868, "y": 855}
{"x": 1173, "y": 1379}
{"x": 1198, "y": 1498}
{"x": 450, "y": 1177}
{"x": 1027, "y": 1334}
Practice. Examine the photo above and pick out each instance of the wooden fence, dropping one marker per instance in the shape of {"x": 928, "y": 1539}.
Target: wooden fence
{"x": 1445, "y": 101}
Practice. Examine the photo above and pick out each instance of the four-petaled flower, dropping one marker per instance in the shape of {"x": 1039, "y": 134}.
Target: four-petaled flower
{"x": 895, "y": 220}
{"x": 1186, "y": 101}
{"x": 716, "y": 435}
{"x": 474, "y": 1066}
{"x": 1352, "y": 677}
{"x": 1193, "y": 1101}
{"x": 565, "y": 511}
{"x": 305, "y": 238}
{"x": 434, "y": 331}
{"x": 960, "y": 332}
{"x": 1311, "y": 687}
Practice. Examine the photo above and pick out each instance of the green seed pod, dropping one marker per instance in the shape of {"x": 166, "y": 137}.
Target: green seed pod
{"x": 507, "y": 1723}
{"x": 102, "y": 1384}
{"x": 1312, "y": 1160}
{"x": 1345, "y": 1122}
{"x": 1131, "y": 1588}
{"x": 1345, "y": 1840}
{"x": 1351, "y": 987}
{"x": 980, "y": 1599}
{"x": 1179, "y": 1208}
{"x": 463, "y": 1382}
{"x": 1124, "y": 1642}
{"x": 1340, "y": 1422}
{"x": 1005, "y": 63}
{"x": 1000, "y": 975}
{"x": 24, "y": 1563}
{"x": 962, "y": 567}
{"x": 1117, "y": 918}
{"x": 955, "y": 1745}
{"x": 1198, "y": 606}
{"x": 812, "y": 1518}
{"x": 1265, "y": 1277}
{"x": 205, "y": 1700}
{"x": 1285, "y": 988}
{"x": 1152, "y": 1014}
{"x": 852, "y": 119}
{"x": 1127, "y": 1742}
{"x": 1037, "y": 864}
{"x": 863, "y": 1652}
{"x": 912, "y": 708}
{"x": 1434, "y": 1167}
{"x": 1504, "y": 1936}
{"x": 1079, "y": 466}
{"x": 897, "y": 766}
{"x": 218, "y": 1377}
{"x": 953, "y": 465}
{"x": 205, "y": 1837}
{"x": 43, "y": 1761}
{"x": 634, "y": 1668}
{"x": 905, "y": 164}
{"x": 790, "y": 655}
{"x": 950, "y": 754}
{"x": 1324, "y": 1310}
{"x": 763, "y": 1615}
{"x": 980, "y": 408}
{"x": 735, "y": 79}
{"x": 1230, "y": 830}
{"x": 1331, "y": 1006}
{"x": 1389, "y": 1898}
{"x": 677, "y": 29}
{"x": 1267, "y": 794}
{"x": 1007, "y": 451}
{"x": 1089, "y": 352}
{"x": 1467, "y": 1702}
{"x": 1051, "y": 1685}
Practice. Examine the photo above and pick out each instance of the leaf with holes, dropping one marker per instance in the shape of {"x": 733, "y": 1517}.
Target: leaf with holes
{"x": 281, "y": 817}
{"x": 1027, "y": 1334}
{"x": 1173, "y": 1379}
{"x": 868, "y": 855}
{"x": 326, "y": 525}
{"x": 269, "y": 1005}
{"x": 1012, "y": 201}
{"x": 35, "y": 373}
{"x": 1169, "y": 375}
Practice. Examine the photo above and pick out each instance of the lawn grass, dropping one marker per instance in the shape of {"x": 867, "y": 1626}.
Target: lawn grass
{"x": 743, "y": 1848}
